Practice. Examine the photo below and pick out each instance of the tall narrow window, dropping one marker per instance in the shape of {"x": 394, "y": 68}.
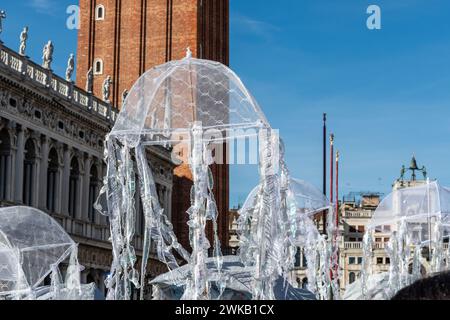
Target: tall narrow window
{"x": 28, "y": 172}
{"x": 351, "y": 277}
{"x": 73, "y": 186}
{"x": 5, "y": 153}
{"x": 298, "y": 255}
{"x": 52, "y": 173}
{"x": 93, "y": 189}
{"x": 304, "y": 283}
{"x": 100, "y": 12}
{"x": 98, "y": 66}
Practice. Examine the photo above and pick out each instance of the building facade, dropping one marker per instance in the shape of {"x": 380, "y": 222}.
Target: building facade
{"x": 51, "y": 157}
{"x": 124, "y": 38}
{"x": 355, "y": 215}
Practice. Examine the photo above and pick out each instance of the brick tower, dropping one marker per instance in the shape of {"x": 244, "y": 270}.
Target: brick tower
{"x": 124, "y": 38}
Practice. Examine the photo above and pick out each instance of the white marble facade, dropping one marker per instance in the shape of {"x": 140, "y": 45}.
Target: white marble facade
{"x": 51, "y": 156}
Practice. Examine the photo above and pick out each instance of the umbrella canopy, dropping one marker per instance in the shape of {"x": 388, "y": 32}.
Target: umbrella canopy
{"x": 238, "y": 284}
{"x": 192, "y": 105}
{"x": 31, "y": 242}
{"x": 309, "y": 200}
{"x": 415, "y": 205}
{"x": 169, "y": 99}
{"x": 376, "y": 287}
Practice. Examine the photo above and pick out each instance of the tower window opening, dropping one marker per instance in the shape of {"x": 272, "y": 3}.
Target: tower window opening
{"x": 98, "y": 66}
{"x": 100, "y": 12}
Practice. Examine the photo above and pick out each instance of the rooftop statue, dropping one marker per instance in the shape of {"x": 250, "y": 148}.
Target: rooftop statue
{"x": 89, "y": 80}
{"x": 124, "y": 96}
{"x": 70, "y": 68}
{"x": 402, "y": 173}
{"x": 23, "y": 41}
{"x": 47, "y": 55}
{"x": 107, "y": 89}
{"x": 2, "y": 16}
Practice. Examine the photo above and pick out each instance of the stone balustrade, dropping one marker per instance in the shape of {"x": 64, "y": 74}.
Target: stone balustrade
{"x": 376, "y": 245}
{"x": 57, "y": 86}
{"x": 358, "y": 214}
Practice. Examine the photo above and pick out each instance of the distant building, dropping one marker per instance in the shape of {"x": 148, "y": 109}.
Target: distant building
{"x": 233, "y": 240}
{"x": 355, "y": 215}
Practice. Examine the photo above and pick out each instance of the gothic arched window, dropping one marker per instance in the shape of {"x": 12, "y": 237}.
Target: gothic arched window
{"x": 98, "y": 66}
{"x": 52, "y": 173}
{"x": 100, "y": 12}
{"x": 93, "y": 190}
{"x": 298, "y": 254}
{"x": 5, "y": 154}
{"x": 304, "y": 283}
{"x": 28, "y": 172}
{"x": 351, "y": 277}
{"x": 74, "y": 181}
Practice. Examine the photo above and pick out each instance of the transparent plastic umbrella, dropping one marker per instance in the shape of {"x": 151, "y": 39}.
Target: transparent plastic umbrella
{"x": 417, "y": 222}
{"x": 191, "y": 106}
{"x": 302, "y": 202}
{"x": 32, "y": 245}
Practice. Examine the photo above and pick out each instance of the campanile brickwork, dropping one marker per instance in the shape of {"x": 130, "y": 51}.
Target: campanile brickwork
{"x": 130, "y": 37}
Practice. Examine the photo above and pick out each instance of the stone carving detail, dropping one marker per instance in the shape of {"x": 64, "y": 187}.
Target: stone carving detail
{"x": 25, "y": 106}
{"x": 107, "y": 89}
{"x": 23, "y": 41}
{"x": 4, "y": 97}
{"x": 2, "y": 16}
{"x": 50, "y": 119}
{"x": 47, "y": 55}
{"x": 124, "y": 96}
{"x": 70, "y": 67}
{"x": 89, "y": 80}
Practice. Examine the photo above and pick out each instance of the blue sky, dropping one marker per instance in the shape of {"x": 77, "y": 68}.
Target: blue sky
{"x": 386, "y": 92}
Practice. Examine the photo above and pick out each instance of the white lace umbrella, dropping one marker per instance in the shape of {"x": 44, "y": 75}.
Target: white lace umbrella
{"x": 191, "y": 105}
{"x": 417, "y": 222}
{"x": 32, "y": 245}
{"x": 302, "y": 202}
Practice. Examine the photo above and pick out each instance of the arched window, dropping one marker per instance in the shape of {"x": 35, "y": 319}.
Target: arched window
{"x": 98, "y": 66}
{"x": 73, "y": 186}
{"x": 304, "y": 283}
{"x": 298, "y": 255}
{"x": 5, "y": 153}
{"x": 93, "y": 190}
{"x": 52, "y": 173}
{"x": 100, "y": 12}
{"x": 351, "y": 277}
{"x": 28, "y": 172}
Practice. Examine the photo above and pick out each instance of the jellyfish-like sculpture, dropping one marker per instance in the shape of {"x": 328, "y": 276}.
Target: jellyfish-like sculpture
{"x": 417, "y": 222}
{"x": 301, "y": 203}
{"x": 190, "y": 106}
{"x": 32, "y": 247}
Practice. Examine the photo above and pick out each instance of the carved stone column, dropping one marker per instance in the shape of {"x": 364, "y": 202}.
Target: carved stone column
{"x": 36, "y": 172}
{"x": 79, "y": 195}
{"x": 60, "y": 177}
{"x": 85, "y": 189}
{"x": 11, "y": 178}
{"x": 65, "y": 182}
{"x": 42, "y": 188}
{"x": 20, "y": 152}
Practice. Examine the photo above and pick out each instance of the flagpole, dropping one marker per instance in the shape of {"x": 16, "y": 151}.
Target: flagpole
{"x": 324, "y": 215}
